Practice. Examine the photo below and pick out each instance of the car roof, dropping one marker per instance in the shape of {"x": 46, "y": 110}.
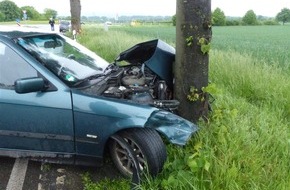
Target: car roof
{"x": 21, "y": 31}
{"x": 64, "y": 21}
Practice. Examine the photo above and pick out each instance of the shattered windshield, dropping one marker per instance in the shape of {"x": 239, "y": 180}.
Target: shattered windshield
{"x": 67, "y": 59}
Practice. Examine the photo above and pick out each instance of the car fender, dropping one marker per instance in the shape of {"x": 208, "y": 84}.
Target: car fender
{"x": 175, "y": 128}
{"x": 96, "y": 119}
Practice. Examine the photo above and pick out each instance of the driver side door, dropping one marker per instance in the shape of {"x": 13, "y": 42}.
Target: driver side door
{"x": 33, "y": 122}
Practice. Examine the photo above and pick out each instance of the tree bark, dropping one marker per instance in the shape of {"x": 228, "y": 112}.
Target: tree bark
{"x": 75, "y": 10}
{"x": 193, "y": 35}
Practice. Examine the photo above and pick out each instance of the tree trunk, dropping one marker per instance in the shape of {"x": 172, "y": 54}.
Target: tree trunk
{"x": 75, "y": 10}
{"x": 193, "y": 35}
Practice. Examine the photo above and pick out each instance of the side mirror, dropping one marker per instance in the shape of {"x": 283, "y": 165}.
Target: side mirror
{"x": 27, "y": 85}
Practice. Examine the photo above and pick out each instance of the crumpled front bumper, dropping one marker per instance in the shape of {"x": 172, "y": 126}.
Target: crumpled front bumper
{"x": 175, "y": 128}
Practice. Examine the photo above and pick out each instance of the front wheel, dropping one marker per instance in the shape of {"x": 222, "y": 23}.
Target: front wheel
{"x": 147, "y": 147}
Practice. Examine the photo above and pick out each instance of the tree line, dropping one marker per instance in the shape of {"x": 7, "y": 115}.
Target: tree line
{"x": 250, "y": 18}
{"x": 9, "y": 11}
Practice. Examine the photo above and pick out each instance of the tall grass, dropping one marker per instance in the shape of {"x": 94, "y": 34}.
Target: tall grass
{"x": 246, "y": 143}
{"x": 263, "y": 85}
{"x": 253, "y": 141}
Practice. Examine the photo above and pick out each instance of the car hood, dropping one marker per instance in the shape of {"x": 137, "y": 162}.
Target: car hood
{"x": 155, "y": 54}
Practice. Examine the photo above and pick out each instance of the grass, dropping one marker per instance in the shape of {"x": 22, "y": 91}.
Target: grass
{"x": 268, "y": 44}
{"x": 250, "y": 123}
{"x": 246, "y": 143}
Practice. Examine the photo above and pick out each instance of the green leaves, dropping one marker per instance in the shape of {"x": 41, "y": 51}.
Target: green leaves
{"x": 198, "y": 161}
{"x": 189, "y": 41}
{"x": 204, "y": 45}
{"x": 195, "y": 95}
{"x": 205, "y": 48}
{"x": 202, "y": 42}
{"x": 188, "y": 167}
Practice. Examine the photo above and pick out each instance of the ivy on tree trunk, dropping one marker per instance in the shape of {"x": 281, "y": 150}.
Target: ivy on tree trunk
{"x": 193, "y": 35}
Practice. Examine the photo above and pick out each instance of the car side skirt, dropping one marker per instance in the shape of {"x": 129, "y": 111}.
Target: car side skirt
{"x": 53, "y": 157}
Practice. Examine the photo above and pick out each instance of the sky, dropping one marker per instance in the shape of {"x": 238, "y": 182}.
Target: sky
{"x": 111, "y": 8}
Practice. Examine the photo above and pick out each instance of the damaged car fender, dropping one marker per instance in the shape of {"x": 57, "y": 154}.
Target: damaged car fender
{"x": 97, "y": 118}
{"x": 175, "y": 128}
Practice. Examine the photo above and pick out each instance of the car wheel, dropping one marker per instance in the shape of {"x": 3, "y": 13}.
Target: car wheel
{"x": 149, "y": 151}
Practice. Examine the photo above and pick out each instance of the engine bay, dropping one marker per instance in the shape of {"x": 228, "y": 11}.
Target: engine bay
{"x": 139, "y": 84}
{"x": 136, "y": 84}
{"x": 142, "y": 74}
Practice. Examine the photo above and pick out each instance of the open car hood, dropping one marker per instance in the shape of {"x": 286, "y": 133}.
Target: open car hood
{"x": 155, "y": 54}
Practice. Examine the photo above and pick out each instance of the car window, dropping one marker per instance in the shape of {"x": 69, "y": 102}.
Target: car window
{"x": 65, "y": 58}
{"x": 13, "y": 67}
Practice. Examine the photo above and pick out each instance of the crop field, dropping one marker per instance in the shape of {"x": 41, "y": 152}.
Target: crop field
{"x": 269, "y": 44}
{"x": 246, "y": 143}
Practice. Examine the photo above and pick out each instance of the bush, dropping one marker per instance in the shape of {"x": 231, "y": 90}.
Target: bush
{"x": 270, "y": 22}
{"x": 2, "y": 17}
{"x": 233, "y": 22}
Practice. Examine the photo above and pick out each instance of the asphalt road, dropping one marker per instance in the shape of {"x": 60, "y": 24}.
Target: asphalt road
{"x": 6, "y": 165}
{"x": 41, "y": 26}
{"x": 43, "y": 176}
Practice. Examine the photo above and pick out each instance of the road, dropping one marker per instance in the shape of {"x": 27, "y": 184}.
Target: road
{"x": 6, "y": 165}
{"x": 44, "y": 176}
{"x": 41, "y": 26}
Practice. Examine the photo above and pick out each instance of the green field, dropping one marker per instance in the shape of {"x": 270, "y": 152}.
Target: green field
{"x": 268, "y": 44}
{"x": 246, "y": 144}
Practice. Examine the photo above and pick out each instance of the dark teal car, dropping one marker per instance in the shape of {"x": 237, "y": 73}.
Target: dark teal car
{"x": 60, "y": 102}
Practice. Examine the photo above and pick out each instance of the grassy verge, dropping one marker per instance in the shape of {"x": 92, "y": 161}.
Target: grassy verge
{"x": 246, "y": 143}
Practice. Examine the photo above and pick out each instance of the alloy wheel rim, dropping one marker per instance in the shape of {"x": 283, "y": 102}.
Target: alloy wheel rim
{"x": 124, "y": 158}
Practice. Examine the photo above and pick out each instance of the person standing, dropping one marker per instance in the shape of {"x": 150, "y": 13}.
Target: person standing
{"x": 51, "y": 22}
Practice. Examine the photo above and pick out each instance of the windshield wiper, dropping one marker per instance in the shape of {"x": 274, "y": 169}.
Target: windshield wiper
{"x": 110, "y": 68}
{"x": 89, "y": 78}
{"x": 94, "y": 76}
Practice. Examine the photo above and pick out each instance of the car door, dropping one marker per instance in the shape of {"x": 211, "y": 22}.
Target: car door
{"x": 36, "y": 121}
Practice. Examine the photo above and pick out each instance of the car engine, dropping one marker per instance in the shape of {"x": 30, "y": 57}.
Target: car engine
{"x": 141, "y": 85}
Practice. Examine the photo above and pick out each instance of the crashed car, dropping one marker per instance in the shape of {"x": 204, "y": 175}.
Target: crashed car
{"x": 62, "y": 103}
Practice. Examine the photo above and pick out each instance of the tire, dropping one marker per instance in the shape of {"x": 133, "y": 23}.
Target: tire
{"x": 148, "y": 149}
